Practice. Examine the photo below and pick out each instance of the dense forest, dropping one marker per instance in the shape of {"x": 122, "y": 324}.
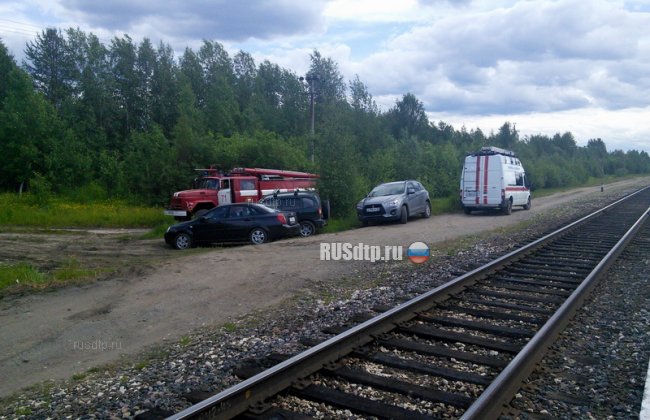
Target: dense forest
{"x": 129, "y": 120}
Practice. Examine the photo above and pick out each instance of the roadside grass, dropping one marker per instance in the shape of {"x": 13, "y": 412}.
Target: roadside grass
{"x": 591, "y": 182}
{"x": 445, "y": 205}
{"x": 339, "y": 224}
{"x": 20, "y": 274}
{"x": 58, "y": 212}
{"x": 158, "y": 231}
{"x": 15, "y": 278}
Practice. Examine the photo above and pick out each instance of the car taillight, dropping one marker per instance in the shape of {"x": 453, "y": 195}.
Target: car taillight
{"x": 282, "y": 219}
{"x": 320, "y": 212}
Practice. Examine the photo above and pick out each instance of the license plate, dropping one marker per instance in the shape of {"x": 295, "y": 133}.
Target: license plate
{"x": 470, "y": 193}
{"x": 292, "y": 219}
{"x": 372, "y": 209}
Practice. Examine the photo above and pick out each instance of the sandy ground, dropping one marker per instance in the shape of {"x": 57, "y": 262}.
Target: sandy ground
{"x": 166, "y": 294}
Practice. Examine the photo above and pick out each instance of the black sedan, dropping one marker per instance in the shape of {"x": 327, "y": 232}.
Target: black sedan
{"x": 239, "y": 222}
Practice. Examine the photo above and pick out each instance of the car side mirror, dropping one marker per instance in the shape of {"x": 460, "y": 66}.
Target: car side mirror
{"x": 410, "y": 191}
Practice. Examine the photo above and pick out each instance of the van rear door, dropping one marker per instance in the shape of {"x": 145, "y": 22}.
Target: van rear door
{"x": 482, "y": 180}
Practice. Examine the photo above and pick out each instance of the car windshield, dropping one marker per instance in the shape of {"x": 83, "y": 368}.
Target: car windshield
{"x": 387, "y": 189}
{"x": 208, "y": 184}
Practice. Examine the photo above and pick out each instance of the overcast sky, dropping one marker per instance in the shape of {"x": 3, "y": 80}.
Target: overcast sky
{"x": 547, "y": 66}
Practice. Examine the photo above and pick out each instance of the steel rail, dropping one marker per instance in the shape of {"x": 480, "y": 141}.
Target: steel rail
{"x": 490, "y": 403}
{"x": 237, "y": 399}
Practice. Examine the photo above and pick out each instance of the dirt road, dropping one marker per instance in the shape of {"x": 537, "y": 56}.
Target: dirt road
{"x": 166, "y": 294}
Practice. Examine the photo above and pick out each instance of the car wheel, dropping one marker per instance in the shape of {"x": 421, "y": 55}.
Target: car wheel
{"x": 364, "y": 223}
{"x": 528, "y": 205}
{"x": 508, "y": 208}
{"x": 307, "y": 228}
{"x": 183, "y": 241}
{"x": 427, "y": 210}
{"x": 258, "y": 236}
{"x": 404, "y": 215}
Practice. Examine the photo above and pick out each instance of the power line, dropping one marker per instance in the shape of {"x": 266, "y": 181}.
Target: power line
{"x": 30, "y": 32}
{"x": 21, "y": 23}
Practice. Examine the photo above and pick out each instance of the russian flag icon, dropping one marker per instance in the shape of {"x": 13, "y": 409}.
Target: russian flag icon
{"x": 418, "y": 252}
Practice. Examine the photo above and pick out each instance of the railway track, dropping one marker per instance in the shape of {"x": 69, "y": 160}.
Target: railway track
{"x": 460, "y": 350}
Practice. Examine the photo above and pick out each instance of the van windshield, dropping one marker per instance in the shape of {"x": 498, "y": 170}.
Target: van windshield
{"x": 387, "y": 189}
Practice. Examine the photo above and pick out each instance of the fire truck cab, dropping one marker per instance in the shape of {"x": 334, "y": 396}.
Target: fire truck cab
{"x": 240, "y": 185}
{"x": 493, "y": 178}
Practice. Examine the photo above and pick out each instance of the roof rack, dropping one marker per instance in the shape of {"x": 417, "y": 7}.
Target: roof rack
{"x": 492, "y": 150}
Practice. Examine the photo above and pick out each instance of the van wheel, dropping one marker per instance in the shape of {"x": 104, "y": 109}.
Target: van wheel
{"x": 467, "y": 210}
{"x": 508, "y": 208}
{"x": 404, "y": 216}
{"x": 427, "y": 211}
{"x": 307, "y": 228}
{"x": 528, "y": 205}
{"x": 258, "y": 236}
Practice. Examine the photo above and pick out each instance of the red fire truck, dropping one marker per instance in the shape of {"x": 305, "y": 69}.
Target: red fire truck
{"x": 240, "y": 185}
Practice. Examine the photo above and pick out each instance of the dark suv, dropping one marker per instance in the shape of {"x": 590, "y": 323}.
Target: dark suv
{"x": 312, "y": 212}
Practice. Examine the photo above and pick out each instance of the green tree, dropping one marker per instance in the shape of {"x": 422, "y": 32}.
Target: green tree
{"x": 151, "y": 170}
{"x": 408, "y": 118}
{"x": 165, "y": 89}
{"x": 124, "y": 87}
{"x": 28, "y": 128}
{"x": 7, "y": 65}
{"x": 51, "y": 66}
{"x": 221, "y": 110}
{"x": 245, "y": 75}
{"x": 145, "y": 67}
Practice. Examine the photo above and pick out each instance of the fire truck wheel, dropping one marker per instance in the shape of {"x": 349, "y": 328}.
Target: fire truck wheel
{"x": 427, "y": 211}
{"x": 404, "y": 215}
{"x": 307, "y": 228}
{"x": 183, "y": 241}
{"x": 528, "y": 205}
{"x": 258, "y": 236}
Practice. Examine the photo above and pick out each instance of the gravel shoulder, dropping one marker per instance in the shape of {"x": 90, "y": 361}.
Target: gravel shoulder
{"x": 163, "y": 295}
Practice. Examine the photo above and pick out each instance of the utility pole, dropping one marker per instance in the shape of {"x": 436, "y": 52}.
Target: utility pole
{"x": 311, "y": 79}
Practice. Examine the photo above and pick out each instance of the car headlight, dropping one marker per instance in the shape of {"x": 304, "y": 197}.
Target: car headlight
{"x": 360, "y": 205}
{"x": 393, "y": 203}
{"x": 168, "y": 228}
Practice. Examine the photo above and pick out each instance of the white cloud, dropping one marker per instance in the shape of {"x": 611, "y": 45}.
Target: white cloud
{"x": 543, "y": 63}
{"x": 622, "y": 129}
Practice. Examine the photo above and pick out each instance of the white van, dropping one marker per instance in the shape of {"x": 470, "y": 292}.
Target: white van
{"x": 493, "y": 178}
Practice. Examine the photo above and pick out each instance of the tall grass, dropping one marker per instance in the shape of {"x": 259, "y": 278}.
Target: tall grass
{"x": 59, "y": 212}
{"x": 20, "y": 274}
